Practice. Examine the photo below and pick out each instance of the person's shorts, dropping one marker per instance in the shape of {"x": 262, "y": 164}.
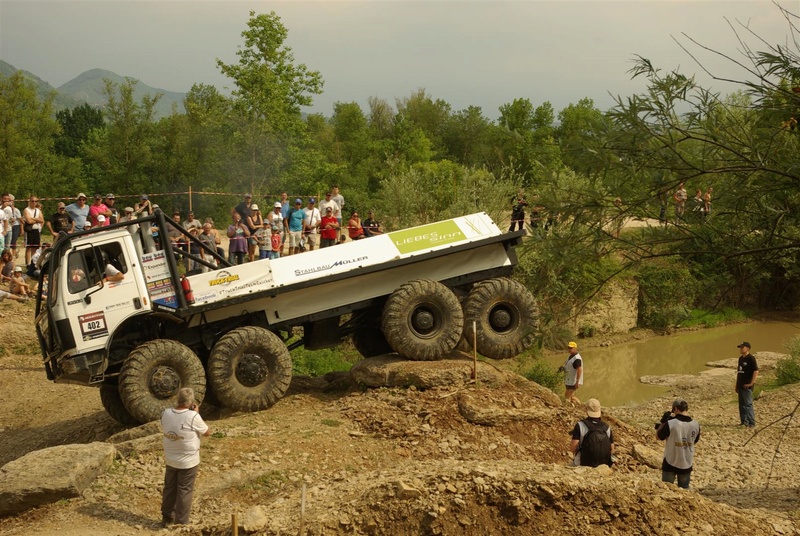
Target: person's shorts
{"x": 294, "y": 238}
{"x": 311, "y": 239}
{"x": 33, "y": 238}
{"x": 252, "y": 241}
{"x": 570, "y": 386}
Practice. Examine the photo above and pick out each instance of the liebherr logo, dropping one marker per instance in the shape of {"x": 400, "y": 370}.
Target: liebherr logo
{"x": 324, "y": 267}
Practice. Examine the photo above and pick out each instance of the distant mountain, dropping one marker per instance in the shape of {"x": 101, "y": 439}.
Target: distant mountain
{"x": 88, "y": 88}
{"x": 43, "y": 89}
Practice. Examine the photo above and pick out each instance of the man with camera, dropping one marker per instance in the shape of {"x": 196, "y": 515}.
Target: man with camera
{"x": 680, "y": 432}
{"x": 182, "y": 426}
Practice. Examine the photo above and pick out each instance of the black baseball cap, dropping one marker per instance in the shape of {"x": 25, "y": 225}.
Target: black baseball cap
{"x": 744, "y": 344}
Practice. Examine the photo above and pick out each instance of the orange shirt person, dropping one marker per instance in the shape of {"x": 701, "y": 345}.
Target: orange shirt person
{"x": 354, "y": 228}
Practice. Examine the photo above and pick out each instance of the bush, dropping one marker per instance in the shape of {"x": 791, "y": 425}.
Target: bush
{"x": 320, "y": 362}
{"x": 544, "y": 374}
{"x": 666, "y": 291}
{"x": 787, "y": 370}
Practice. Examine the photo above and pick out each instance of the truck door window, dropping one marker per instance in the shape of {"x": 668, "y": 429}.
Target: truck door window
{"x": 78, "y": 272}
{"x": 87, "y": 266}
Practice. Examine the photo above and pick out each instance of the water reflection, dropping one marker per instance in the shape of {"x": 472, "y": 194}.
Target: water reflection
{"x": 612, "y": 374}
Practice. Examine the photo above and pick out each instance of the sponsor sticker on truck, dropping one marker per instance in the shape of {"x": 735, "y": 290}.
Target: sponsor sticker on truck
{"x": 156, "y": 275}
{"x": 427, "y": 236}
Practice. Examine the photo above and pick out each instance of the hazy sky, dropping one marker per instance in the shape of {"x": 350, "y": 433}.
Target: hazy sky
{"x": 480, "y": 53}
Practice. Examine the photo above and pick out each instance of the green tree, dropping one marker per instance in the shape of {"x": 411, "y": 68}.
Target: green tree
{"x": 269, "y": 95}
{"x": 429, "y": 115}
{"x": 27, "y": 131}
{"x": 467, "y": 136}
{"x": 120, "y": 157}
{"x": 75, "y": 127}
{"x": 524, "y": 142}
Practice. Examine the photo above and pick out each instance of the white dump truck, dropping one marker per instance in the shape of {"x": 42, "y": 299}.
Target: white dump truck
{"x": 227, "y": 331}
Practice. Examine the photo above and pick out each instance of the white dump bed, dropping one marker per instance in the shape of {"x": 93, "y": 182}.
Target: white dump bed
{"x": 235, "y": 281}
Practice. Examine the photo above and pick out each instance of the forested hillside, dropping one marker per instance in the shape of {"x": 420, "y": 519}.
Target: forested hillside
{"x": 416, "y": 159}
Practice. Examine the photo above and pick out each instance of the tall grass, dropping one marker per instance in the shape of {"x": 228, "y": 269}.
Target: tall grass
{"x": 712, "y": 318}
{"x": 320, "y": 362}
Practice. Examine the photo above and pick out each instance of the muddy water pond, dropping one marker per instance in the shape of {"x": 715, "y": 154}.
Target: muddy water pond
{"x": 611, "y": 374}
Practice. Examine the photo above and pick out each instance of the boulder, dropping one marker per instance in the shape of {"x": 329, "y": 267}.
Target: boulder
{"x": 49, "y": 475}
{"x": 766, "y": 361}
{"x": 136, "y": 433}
{"x": 454, "y": 370}
{"x": 477, "y": 412}
{"x": 254, "y": 519}
{"x": 140, "y": 445}
{"x": 647, "y": 456}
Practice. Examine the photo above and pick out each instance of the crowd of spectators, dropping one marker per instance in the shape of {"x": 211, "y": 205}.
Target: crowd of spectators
{"x": 287, "y": 228}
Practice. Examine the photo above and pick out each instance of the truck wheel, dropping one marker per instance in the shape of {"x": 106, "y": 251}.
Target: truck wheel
{"x": 422, "y": 320}
{"x": 505, "y": 315}
{"x": 249, "y": 369}
{"x": 153, "y": 373}
{"x": 112, "y": 402}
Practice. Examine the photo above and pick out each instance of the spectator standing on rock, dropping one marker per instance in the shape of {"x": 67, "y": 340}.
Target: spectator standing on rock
{"x": 111, "y": 204}
{"x": 518, "y": 205}
{"x": 60, "y": 221}
{"x": 680, "y": 432}
{"x": 746, "y": 374}
{"x": 79, "y": 211}
{"x": 573, "y": 367}
{"x": 99, "y": 208}
{"x": 33, "y": 222}
{"x": 680, "y": 201}
{"x": 592, "y": 439}
{"x": 182, "y": 427}
{"x": 339, "y": 199}
{"x": 707, "y": 201}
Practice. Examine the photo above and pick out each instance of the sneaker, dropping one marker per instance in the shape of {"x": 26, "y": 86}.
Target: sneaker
{"x": 166, "y": 522}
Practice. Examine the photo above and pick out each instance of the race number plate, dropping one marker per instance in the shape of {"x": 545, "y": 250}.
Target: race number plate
{"x": 93, "y": 325}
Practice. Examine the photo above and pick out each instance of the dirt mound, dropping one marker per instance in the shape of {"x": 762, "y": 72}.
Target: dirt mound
{"x": 503, "y": 497}
{"x": 490, "y": 458}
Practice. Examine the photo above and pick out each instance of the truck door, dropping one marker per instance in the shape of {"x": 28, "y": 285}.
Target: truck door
{"x": 98, "y": 299}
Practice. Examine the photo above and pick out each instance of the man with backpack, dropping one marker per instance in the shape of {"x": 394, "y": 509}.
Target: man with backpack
{"x": 592, "y": 440}
{"x": 680, "y": 432}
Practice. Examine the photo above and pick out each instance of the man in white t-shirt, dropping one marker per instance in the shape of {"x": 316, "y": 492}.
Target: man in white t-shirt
{"x": 311, "y": 220}
{"x": 182, "y": 426}
{"x": 32, "y": 216}
{"x": 5, "y": 223}
{"x": 329, "y": 202}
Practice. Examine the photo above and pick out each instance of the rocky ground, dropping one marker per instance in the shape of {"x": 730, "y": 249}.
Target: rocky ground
{"x": 453, "y": 458}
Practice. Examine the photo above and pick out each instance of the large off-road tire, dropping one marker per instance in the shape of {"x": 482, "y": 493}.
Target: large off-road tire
{"x": 505, "y": 314}
{"x": 422, "y": 320}
{"x": 249, "y": 369}
{"x": 112, "y": 402}
{"x": 153, "y": 373}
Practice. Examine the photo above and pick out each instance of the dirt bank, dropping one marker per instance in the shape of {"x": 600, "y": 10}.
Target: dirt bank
{"x": 407, "y": 461}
